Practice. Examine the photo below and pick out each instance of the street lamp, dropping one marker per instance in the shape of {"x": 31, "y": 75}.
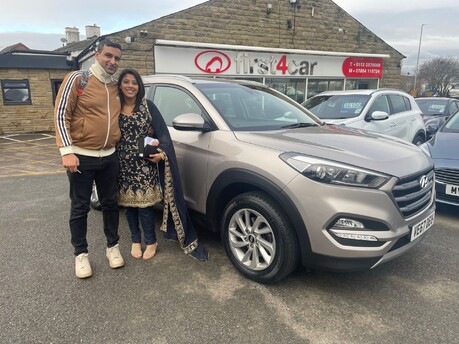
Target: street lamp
{"x": 417, "y": 63}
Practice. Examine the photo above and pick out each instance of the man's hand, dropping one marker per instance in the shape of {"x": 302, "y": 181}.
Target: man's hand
{"x": 70, "y": 162}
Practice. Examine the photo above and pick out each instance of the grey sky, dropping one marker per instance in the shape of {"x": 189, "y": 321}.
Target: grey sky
{"x": 41, "y": 24}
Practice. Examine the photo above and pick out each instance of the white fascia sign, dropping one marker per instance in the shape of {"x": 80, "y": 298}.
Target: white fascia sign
{"x": 173, "y": 57}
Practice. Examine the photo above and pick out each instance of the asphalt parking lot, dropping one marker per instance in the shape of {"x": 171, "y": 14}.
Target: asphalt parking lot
{"x": 174, "y": 299}
{"x": 29, "y": 154}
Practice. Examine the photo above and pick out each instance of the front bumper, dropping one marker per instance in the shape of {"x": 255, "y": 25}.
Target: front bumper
{"x": 376, "y": 209}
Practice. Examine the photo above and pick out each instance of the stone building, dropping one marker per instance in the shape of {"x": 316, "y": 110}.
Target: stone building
{"x": 30, "y": 80}
{"x": 300, "y": 47}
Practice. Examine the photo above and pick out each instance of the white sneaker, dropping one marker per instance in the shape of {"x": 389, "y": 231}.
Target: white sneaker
{"x": 82, "y": 266}
{"x": 115, "y": 259}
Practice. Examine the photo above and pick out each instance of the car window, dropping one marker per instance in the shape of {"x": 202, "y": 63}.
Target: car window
{"x": 453, "y": 108}
{"x": 380, "y": 104}
{"x": 254, "y": 107}
{"x": 173, "y": 101}
{"x": 337, "y": 106}
{"x": 399, "y": 103}
{"x": 453, "y": 124}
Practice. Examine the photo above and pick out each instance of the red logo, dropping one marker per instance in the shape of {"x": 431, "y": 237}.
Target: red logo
{"x": 212, "y": 61}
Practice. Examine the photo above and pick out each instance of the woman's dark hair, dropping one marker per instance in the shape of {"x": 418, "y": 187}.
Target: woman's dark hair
{"x": 140, "y": 93}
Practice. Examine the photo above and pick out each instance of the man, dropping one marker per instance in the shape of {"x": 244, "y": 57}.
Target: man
{"x": 86, "y": 123}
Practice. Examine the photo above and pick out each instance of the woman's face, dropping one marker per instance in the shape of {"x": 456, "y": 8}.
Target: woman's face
{"x": 129, "y": 86}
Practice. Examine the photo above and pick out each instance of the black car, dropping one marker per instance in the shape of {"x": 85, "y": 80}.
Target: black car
{"x": 436, "y": 110}
{"x": 443, "y": 149}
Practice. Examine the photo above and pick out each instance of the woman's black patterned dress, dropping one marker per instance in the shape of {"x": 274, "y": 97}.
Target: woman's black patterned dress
{"x": 138, "y": 183}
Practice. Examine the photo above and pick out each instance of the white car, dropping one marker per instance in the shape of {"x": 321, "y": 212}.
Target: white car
{"x": 386, "y": 111}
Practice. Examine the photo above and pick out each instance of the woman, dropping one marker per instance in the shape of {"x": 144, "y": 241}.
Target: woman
{"x": 141, "y": 179}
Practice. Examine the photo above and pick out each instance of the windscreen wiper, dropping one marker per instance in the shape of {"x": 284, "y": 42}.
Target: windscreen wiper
{"x": 299, "y": 125}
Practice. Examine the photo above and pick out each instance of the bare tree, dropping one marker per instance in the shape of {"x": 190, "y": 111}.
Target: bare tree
{"x": 406, "y": 83}
{"x": 439, "y": 73}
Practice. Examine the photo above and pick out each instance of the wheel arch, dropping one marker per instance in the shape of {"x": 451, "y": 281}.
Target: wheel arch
{"x": 233, "y": 182}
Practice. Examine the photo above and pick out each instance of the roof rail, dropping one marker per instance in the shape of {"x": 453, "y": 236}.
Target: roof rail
{"x": 177, "y": 76}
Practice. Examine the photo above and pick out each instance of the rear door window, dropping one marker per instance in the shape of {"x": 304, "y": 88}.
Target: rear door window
{"x": 399, "y": 103}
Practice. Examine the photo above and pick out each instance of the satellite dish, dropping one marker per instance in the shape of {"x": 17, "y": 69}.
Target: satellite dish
{"x": 64, "y": 41}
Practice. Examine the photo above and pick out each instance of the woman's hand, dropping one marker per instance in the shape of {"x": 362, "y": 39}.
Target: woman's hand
{"x": 156, "y": 157}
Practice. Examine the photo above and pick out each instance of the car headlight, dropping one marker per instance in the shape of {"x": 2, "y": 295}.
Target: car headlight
{"x": 330, "y": 172}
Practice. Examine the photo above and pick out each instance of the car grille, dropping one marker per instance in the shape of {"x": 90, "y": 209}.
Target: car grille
{"x": 444, "y": 198}
{"x": 447, "y": 176}
{"x": 410, "y": 197}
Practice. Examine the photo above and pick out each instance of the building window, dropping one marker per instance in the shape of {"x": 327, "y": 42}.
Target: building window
{"x": 361, "y": 84}
{"x": 294, "y": 88}
{"x": 16, "y": 92}
{"x": 55, "y": 84}
{"x": 318, "y": 86}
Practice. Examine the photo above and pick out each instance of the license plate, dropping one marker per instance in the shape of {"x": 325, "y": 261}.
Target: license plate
{"x": 452, "y": 190}
{"x": 419, "y": 228}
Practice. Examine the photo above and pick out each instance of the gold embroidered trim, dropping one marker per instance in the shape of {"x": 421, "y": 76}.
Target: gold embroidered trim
{"x": 169, "y": 205}
{"x": 140, "y": 199}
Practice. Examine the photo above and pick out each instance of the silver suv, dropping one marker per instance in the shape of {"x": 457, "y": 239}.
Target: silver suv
{"x": 385, "y": 111}
{"x": 283, "y": 188}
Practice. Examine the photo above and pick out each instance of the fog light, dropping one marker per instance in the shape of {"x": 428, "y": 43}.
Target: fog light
{"x": 356, "y": 236}
{"x": 348, "y": 223}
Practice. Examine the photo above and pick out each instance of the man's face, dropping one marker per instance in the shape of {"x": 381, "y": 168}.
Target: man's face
{"x": 109, "y": 59}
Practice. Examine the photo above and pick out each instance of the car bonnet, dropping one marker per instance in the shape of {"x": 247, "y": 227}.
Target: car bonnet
{"x": 349, "y": 146}
{"x": 444, "y": 146}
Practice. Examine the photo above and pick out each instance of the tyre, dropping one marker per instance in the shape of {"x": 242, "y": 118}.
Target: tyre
{"x": 95, "y": 204}
{"x": 258, "y": 238}
{"x": 418, "y": 140}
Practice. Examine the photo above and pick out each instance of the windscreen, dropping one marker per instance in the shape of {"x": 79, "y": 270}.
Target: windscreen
{"x": 337, "y": 106}
{"x": 432, "y": 107}
{"x": 255, "y": 108}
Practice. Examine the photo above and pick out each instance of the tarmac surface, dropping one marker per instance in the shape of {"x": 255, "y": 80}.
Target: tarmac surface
{"x": 29, "y": 154}
{"x": 175, "y": 299}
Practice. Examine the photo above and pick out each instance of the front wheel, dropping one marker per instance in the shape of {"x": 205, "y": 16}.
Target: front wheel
{"x": 258, "y": 238}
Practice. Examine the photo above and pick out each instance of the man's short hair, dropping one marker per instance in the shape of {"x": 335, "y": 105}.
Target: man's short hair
{"x": 108, "y": 43}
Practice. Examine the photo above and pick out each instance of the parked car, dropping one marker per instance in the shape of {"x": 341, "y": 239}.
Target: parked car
{"x": 284, "y": 188}
{"x": 386, "y": 111}
{"x": 454, "y": 91}
{"x": 436, "y": 111}
{"x": 443, "y": 149}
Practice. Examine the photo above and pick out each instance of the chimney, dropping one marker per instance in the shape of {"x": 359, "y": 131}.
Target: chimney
{"x": 72, "y": 34}
{"x": 92, "y": 30}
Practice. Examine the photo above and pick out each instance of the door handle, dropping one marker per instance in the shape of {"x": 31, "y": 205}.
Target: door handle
{"x": 393, "y": 124}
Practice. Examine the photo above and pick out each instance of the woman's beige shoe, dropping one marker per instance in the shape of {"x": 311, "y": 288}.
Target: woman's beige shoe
{"x": 136, "y": 250}
{"x": 150, "y": 251}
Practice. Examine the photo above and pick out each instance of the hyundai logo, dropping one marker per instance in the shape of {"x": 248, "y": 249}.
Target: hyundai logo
{"x": 423, "y": 181}
{"x": 212, "y": 61}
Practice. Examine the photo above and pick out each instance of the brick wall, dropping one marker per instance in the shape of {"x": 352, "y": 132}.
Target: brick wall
{"x": 37, "y": 117}
{"x": 245, "y": 22}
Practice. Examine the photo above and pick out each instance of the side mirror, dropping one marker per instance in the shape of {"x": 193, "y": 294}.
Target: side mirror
{"x": 432, "y": 128}
{"x": 379, "y": 115}
{"x": 190, "y": 122}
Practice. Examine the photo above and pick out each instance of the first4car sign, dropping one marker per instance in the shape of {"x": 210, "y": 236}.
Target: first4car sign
{"x": 192, "y": 61}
